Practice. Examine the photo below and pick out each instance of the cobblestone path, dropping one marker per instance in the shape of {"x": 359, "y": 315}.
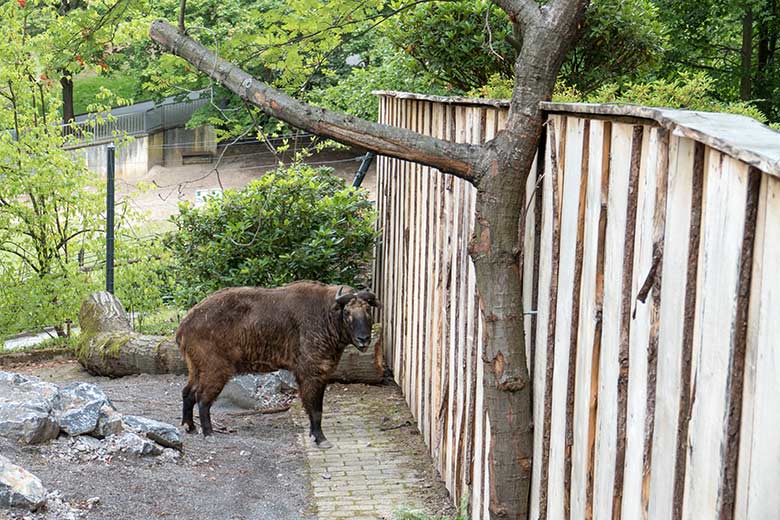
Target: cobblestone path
{"x": 378, "y": 466}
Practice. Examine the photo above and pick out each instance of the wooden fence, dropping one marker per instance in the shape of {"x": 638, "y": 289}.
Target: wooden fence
{"x": 655, "y": 363}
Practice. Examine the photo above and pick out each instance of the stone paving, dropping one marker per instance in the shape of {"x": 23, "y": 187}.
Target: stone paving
{"x": 378, "y": 465}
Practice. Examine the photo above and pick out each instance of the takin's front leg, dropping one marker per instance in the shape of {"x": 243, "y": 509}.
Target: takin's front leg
{"x": 312, "y": 392}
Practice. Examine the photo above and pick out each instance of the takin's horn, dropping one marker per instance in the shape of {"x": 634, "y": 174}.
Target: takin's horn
{"x": 343, "y": 299}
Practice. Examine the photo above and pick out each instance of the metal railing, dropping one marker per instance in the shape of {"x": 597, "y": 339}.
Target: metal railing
{"x": 135, "y": 120}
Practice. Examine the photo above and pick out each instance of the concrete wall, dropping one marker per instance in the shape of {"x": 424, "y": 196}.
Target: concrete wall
{"x": 182, "y": 143}
{"x": 132, "y": 159}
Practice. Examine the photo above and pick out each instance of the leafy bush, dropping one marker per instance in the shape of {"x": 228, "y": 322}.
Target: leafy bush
{"x": 293, "y": 223}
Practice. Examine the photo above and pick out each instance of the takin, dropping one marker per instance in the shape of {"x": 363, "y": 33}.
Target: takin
{"x": 303, "y": 327}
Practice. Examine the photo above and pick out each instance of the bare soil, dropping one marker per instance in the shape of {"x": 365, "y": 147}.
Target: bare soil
{"x": 256, "y": 470}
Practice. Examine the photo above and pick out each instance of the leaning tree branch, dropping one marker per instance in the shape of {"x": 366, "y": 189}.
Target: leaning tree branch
{"x": 455, "y": 158}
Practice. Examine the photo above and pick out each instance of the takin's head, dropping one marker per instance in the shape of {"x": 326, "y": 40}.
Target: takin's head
{"x": 356, "y": 316}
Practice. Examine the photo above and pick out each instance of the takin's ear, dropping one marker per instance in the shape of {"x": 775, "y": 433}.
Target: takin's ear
{"x": 369, "y": 298}
{"x": 343, "y": 299}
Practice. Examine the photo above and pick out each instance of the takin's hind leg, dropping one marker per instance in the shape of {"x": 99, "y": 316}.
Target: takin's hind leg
{"x": 188, "y": 400}
{"x": 209, "y": 388}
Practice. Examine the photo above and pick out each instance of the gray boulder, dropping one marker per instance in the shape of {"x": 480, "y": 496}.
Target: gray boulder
{"x": 80, "y": 408}
{"x": 162, "y": 433}
{"x": 251, "y": 391}
{"x": 288, "y": 383}
{"x": 131, "y": 444}
{"x": 109, "y": 423}
{"x": 27, "y": 409}
{"x": 19, "y": 488}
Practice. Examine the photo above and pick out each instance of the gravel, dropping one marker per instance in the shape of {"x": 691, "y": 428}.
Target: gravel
{"x": 252, "y": 468}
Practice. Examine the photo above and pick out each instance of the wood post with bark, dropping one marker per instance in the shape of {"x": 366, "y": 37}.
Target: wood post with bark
{"x": 498, "y": 170}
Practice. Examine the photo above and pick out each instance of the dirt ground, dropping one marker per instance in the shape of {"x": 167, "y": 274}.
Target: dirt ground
{"x": 255, "y": 469}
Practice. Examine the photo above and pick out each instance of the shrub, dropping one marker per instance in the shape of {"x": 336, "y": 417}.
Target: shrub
{"x": 293, "y": 223}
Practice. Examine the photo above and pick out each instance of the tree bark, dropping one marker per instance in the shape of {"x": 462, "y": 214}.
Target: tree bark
{"x": 499, "y": 170}
{"x": 745, "y": 83}
{"x": 67, "y": 99}
{"x": 109, "y": 347}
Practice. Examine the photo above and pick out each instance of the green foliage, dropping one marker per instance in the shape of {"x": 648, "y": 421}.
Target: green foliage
{"x": 294, "y": 223}
{"x": 409, "y": 514}
{"x": 622, "y": 39}
{"x": 143, "y": 277}
{"x": 87, "y": 88}
{"x": 49, "y": 208}
{"x": 461, "y": 43}
{"x": 689, "y": 91}
{"x": 387, "y": 70}
{"x": 497, "y": 87}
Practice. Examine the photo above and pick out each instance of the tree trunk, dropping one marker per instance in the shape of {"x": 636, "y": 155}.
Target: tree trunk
{"x": 67, "y": 99}
{"x": 745, "y": 87}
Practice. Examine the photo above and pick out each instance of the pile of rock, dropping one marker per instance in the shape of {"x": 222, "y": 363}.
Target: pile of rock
{"x": 34, "y": 412}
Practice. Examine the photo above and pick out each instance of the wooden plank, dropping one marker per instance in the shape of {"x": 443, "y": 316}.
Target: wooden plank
{"x": 571, "y": 377}
{"x": 453, "y": 322}
{"x": 759, "y": 456}
{"x": 639, "y": 334}
{"x": 736, "y": 369}
{"x": 609, "y": 368}
{"x": 527, "y": 261}
{"x": 571, "y": 181}
{"x": 625, "y": 319}
{"x": 723, "y": 219}
{"x": 671, "y": 325}
{"x": 543, "y": 314}
{"x": 586, "y": 326}
{"x": 478, "y": 482}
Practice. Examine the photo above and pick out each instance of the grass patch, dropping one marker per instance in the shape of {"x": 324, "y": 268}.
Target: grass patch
{"x": 162, "y": 322}
{"x": 57, "y": 343}
{"x": 86, "y": 88}
{"x": 409, "y": 514}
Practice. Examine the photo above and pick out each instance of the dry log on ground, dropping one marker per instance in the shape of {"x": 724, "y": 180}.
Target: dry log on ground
{"x": 108, "y": 346}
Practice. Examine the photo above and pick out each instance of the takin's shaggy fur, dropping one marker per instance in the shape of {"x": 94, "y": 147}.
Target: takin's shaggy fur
{"x": 302, "y": 327}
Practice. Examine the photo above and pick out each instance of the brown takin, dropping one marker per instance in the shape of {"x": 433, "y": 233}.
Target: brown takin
{"x": 302, "y": 327}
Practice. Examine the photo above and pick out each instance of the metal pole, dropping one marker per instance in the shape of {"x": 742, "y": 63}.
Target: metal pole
{"x": 110, "y": 219}
{"x": 363, "y": 169}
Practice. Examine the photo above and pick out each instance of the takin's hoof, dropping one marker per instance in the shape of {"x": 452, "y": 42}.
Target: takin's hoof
{"x": 324, "y": 444}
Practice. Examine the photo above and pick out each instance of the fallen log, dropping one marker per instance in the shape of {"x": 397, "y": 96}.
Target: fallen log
{"x": 108, "y": 346}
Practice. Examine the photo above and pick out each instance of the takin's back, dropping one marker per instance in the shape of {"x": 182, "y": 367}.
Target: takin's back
{"x": 257, "y": 329}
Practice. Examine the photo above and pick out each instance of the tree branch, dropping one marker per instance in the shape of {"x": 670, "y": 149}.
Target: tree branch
{"x": 521, "y": 12}
{"x": 455, "y": 158}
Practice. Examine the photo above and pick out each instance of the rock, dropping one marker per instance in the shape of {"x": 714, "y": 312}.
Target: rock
{"x": 251, "y": 391}
{"x": 131, "y": 444}
{"x": 241, "y": 391}
{"x": 19, "y": 487}
{"x": 109, "y": 423}
{"x": 289, "y": 384}
{"x": 27, "y": 409}
{"x": 162, "y": 433}
{"x": 80, "y": 408}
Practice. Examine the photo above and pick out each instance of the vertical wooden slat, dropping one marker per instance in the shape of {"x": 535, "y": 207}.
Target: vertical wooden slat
{"x": 570, "y": 172}
{"x": 586, "y": 327}
{"x": 609, "y": 369}
{"x": 686, "y": 351}
{"x": 625, "y": 319}
{"x": 679, "y": 187}
{"x": 723, "y": 220}
{"x": 759, "y": 457}
{"x": 543, "y": 312}
{"x": 571, "y": 377}
{"x": 639, "y": 334}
